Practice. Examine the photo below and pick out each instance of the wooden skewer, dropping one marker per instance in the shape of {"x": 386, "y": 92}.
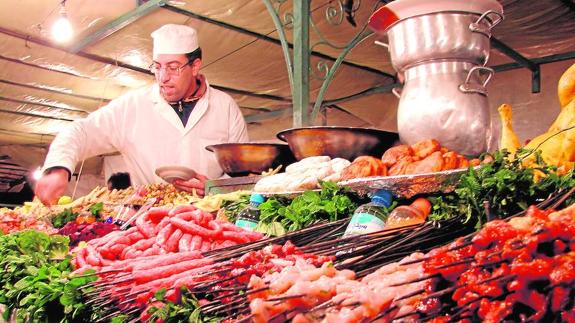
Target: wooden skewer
{"x": 322, "y": 306}
{"x": 563, "y": 198}
{"x": 207, "y": 310}
{"x": 457, "y": 263}
{"x": 415, "y": 280}
{"x": 406, "y": 315}
{"x": 383, "y": 314}
{"x": 280, "y": 314}
{"x": 281, "y": 298}
{"x": 231, "y": 309}
{"x": 409, "y": 295}
{"x": 243, "y": 320}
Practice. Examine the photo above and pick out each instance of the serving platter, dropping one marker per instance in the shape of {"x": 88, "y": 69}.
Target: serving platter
{"x": 172, "y": 173}
{"x": 408, "y": 185}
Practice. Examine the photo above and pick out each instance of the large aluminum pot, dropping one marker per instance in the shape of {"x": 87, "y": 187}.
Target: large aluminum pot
{"x": 447, "y": 101}
{"x": 443, "y": 35}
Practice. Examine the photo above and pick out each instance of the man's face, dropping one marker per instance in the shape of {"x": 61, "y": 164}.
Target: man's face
{"x": 175, "y": 76}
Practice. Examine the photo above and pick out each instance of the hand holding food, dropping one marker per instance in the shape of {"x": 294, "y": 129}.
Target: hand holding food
{"x": 195, "y": 184}
{"x": 51, "y": 186}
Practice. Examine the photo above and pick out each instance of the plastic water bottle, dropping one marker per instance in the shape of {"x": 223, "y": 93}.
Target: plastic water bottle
{"x": 404, "y": 215}
{"x": 249, "y": 217}
{"x": 370, "y": 217}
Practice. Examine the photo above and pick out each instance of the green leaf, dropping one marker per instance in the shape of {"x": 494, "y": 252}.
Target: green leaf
{"x": 30, "y": 298}
{"x": 43, "y": 288}
{"x": 67, "y": 299}
{"x": 24, "y": 283}
{"x": 159, "y": 295}
{"x": 59, "y": 247}
{"x": 95, "y": 209}
{"x": 276, "y": 229}
{"x": 63, "y": 217}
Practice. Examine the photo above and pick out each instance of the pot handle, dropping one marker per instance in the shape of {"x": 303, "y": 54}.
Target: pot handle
{"x": 380, "y": 43}
{"x": 397, "y": 92}
{"x": 477, "y": 28}
{"x": 469, "y": 87}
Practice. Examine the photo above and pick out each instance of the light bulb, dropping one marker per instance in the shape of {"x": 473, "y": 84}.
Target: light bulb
{"x": 37, "y": 174}
{"x": 62, "y": 29}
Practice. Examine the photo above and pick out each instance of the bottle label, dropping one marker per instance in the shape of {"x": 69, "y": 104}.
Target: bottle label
{"x": 362, "y": 223}
{"x": 246, "y": 224}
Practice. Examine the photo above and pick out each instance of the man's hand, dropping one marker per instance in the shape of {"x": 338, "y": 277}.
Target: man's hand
{"x": 51, "y": 186}
{"x": 197, "y": 183}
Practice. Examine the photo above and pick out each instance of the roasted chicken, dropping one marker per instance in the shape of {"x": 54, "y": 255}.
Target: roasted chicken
{"x": 557, "y": 145}
{"x": 426, "y": 156}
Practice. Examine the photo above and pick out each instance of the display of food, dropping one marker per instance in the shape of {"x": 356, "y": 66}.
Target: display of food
{"x": 423, "y": 157}
{"x": 178, "y": 262}
{"x": 303, "y": 175}
{"x": 86, "y": 231}
{"x": 509, "y": 271}
{"x": 15, "y": 221}
{"x": 557, "y": 144}
{"x": 165, "y": 194}
{"x": 162, "y": 230}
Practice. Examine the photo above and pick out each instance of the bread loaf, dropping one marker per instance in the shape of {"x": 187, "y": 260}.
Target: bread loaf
{"x": 302, "y": 165}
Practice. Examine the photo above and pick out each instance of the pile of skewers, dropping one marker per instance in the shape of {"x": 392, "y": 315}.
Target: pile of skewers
{"x": 219, "y": 278}
{"x": 364, "y": 254}
{"x": 128, "y": 287}
{"x": 518, "y": 270}
{"x": 509, "y": 270}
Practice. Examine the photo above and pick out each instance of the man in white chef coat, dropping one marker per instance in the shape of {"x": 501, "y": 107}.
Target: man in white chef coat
{"x": 169, "y": 123}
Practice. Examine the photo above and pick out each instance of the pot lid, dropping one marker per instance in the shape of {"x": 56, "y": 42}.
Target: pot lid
{"x": 398, "y": 10}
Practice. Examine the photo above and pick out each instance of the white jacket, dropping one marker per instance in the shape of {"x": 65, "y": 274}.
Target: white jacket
{"x": 148, "y": 133}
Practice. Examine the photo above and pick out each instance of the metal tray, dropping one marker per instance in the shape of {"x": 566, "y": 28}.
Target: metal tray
{"x": 408, "y": 185}
{"x": 288, "y": 194}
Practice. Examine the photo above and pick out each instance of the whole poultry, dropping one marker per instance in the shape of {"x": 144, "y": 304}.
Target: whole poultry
{"x": 566, "y": 86}
{"x": 508, "y": 139}
{"x": 557, "y": 145}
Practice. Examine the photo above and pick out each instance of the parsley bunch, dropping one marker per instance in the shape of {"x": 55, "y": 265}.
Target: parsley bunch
{"x": 504, "y": 186}
{"x": 330, "y": 204}
{"x": 34, "y": 279}
{"x": 188, "y": 310}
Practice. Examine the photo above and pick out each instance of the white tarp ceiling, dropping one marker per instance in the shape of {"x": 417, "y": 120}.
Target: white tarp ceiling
{"x": 44, "y": 86}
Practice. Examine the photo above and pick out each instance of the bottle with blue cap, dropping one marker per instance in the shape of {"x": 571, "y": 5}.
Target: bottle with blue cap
{"x": 370, "y": 217}
{"x": 249, "y": 217}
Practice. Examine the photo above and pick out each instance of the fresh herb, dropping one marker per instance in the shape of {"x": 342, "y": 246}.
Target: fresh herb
{"x": 95, "y": 209}
{"x": 63, "y": 217}
{"x": 502, "y": 188}
{"x": 35, "y": 280}
{"x": 188, "y": 310}
{"x": 330, "y": 204}
{"x": 233, "y": 208}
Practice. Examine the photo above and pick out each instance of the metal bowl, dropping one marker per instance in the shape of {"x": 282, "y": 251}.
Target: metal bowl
{"x": 242, "y": 159}
{"x": 343, "y": 142}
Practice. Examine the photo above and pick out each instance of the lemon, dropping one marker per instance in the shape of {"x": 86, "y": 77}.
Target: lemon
{"x": 64, "y": 200}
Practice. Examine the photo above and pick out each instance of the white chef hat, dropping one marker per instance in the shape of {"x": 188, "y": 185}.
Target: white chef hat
{"x": 174, "y": 39}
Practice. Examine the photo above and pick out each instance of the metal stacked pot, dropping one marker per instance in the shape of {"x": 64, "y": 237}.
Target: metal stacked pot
{"x": 441, "y": 58}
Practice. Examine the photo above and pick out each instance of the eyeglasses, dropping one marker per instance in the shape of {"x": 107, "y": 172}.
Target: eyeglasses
{"x": 171, "y": 70}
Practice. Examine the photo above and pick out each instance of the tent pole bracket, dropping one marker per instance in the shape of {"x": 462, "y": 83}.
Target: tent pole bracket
{"x": 117, "y": 24}
{"x": 523, "y": 61}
